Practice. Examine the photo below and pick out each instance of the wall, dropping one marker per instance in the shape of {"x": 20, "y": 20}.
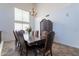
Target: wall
{"x": 64, "y": 16}
{"x": 65, "y": 19}
{"x": 44, "y": 9}
{"x": 7, "y": 19}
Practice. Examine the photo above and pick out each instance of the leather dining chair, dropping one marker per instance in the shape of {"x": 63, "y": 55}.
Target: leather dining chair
{"x": 20, "y": 42}
{"x": 48, "y": 44}
{"x": 16, "y": 39}
{"x": 37, "y": 34}
{"x": 23, "y": 46}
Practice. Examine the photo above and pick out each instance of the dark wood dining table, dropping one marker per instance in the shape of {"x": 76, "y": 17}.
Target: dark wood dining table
{"x": 33, "y": 41}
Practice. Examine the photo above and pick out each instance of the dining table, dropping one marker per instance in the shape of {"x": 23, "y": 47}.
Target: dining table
{"x": 33, "y": 41}
{"x": 30, "y": 39}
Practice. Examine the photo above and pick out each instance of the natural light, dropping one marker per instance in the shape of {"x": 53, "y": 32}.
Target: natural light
{"x": 21, "y": 19}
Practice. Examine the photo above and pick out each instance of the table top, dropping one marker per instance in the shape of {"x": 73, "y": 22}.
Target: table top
{"x": 30, "y": 39}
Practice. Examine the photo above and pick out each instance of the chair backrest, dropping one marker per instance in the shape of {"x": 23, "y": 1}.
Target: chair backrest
{"x": 49, "y": 40}
{"x": 33, "y": 33}
{"x": 15, "y": 34}
{"x": 36, "y": 33}
{"x": 44, "y": 34}
{"x": 21, "y": 32}
{"x": 21, "y": 38}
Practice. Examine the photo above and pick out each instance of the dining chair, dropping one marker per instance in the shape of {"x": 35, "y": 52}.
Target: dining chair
{"x": 48, "y": 44}
{"x": 37, "y": 34}
{"x": 23, "y": 45}
{"x": 33, "y": 33}
{"x": 17, "y": 43}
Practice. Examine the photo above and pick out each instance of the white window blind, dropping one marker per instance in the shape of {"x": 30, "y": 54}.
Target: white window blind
{"x": 21, "y": 19}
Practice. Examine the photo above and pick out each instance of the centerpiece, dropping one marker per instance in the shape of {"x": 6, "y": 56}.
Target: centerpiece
{"x": 29, "y": 31}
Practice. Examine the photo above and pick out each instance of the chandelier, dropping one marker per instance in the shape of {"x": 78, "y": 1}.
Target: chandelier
{"x": 33, "y": 12}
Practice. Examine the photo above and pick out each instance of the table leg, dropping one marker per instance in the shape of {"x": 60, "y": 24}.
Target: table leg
{"x": 35, "y": 52}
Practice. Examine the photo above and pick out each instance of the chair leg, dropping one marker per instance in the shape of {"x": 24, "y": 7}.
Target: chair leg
{"x": 20, "y": 52}
{"x": 35, "y": 52}
{"x": 16, "y": 44}
{"x": 51, "y": 51}
{"x": 27, "y": 52}
{"x": 44, "y": 53}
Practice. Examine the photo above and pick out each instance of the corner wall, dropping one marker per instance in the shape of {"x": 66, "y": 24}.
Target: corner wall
{"x": 66, "y": 21}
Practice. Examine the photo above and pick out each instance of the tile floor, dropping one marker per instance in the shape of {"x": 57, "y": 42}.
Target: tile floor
{"x": 58, "y": 50}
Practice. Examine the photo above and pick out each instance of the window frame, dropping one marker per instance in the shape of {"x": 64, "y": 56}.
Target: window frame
{"x": 22, "y": 22}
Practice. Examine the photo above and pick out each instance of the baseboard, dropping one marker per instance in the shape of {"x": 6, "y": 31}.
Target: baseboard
{"x": 1, "y": 46}
{"x": 59, "y": 43}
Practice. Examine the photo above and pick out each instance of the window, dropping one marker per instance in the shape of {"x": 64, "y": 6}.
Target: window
{"x": 21, "y": 19}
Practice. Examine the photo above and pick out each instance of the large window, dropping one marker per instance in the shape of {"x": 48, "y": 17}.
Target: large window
{"x": 21, "y": 19}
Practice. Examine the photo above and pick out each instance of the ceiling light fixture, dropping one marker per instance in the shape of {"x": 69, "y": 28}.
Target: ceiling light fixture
{"x": 33, "y": 12}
